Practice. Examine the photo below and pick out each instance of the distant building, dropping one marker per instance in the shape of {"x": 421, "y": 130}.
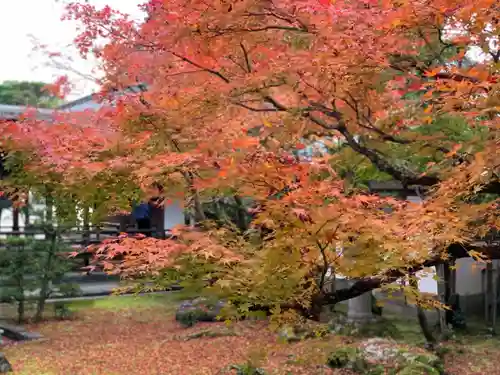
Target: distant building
{"x": 13, "y": 112}
{"x": 163, "y": 218}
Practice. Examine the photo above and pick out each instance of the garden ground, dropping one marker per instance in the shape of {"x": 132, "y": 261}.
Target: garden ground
{"x": 139, "y": 335}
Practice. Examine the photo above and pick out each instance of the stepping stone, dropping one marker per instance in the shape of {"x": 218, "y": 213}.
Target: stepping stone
{"x": 18, "y": 333}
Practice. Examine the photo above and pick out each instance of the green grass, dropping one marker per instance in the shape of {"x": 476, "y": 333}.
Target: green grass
{"x": 409, "y": 329}
{"x": 167, "y": 302}
{"x": 136, "y": 302}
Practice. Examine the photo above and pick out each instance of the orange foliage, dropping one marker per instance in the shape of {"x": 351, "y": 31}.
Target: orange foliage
{"x": 304, "y": 70}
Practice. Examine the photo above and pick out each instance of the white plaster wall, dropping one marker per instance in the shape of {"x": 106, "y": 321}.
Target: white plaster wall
{"x": 427, "y": 282}
{"x": 469, "y": 276}
{"x": 6, "y": 219}
{"x": 173, "y": 214}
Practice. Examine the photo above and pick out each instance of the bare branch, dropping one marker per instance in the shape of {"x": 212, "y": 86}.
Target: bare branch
{"x": 208, "y": 70}
{"x": 246, "y": 57}
{"x": 399, "y": 173}
{"x": 253, "y": 109}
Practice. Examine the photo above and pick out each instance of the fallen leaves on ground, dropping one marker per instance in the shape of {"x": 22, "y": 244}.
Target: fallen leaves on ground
{"x": 148, "y": 341}
{"x": 475, "y": 357}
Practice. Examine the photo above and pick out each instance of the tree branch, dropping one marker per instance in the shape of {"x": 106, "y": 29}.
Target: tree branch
{"x": 208, "y": 70}
{"x": 246, "y": 57}
{"x": 455, "y": 251}
{"x": 405, "y": 176}
{"x": 220, "y": 32}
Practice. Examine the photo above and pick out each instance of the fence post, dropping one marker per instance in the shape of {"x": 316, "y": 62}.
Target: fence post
{"x": 15, "y": 220}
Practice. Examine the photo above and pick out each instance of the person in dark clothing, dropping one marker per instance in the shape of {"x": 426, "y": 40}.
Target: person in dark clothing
{"x": 142, "y": 216}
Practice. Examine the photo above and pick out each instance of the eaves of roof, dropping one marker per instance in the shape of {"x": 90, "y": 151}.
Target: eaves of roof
{"x": 89, "y": 98}
{"x": 13, "y": 112}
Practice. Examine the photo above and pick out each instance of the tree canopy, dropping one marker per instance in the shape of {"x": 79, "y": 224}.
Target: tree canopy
{"x": 27, "y": 94}
{"x": 236, "y": 89}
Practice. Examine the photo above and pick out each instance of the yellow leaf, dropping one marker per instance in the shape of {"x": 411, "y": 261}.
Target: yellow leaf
{"x": 267, "y": 123}
{"x": 396, "y": 22}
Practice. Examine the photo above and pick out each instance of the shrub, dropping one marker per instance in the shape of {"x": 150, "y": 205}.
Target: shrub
{"x": 347, "y": 357}
{"x": 27, "y": 265}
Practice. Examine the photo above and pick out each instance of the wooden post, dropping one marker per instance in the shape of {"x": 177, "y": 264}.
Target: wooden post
{"x": 27, "y": 213}
{"x": 453, "y": 276}
{"x": 484, "y": 294}
{"x": 123, "y": 223}
{"x": 49, "y": 209}
{"x": 15, "y": 220}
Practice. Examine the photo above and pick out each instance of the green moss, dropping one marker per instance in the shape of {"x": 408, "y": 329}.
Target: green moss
{"x": 412, "y": 363}
{"x": 348, "y": 357}
{"x": 418, "y": 368}
{"x": 247, "y": 369}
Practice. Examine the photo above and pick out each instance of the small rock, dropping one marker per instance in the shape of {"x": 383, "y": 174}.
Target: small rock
{"x": 348, "y": 358}
{"x": 18, "y": 333}
{"x": 340, "y": 325}
{"x": 288, "y": 334}
{"x": 372, "y": 354}
{"x": 5, "y": 366}
{"x": 198, "y": 310}
{"x": 379, "y": 350}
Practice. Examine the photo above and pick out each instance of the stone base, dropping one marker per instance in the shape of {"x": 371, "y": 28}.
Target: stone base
{"x": 361, "y": 318}
{"x": 360, "y": 308}
{"x": 5, "y": 366}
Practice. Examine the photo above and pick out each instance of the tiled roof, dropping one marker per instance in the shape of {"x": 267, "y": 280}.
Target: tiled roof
{"x": 90, "y": 98}
{"x": 12, "y": 112}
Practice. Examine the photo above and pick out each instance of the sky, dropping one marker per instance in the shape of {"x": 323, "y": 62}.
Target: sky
{"x": 24, "y": 19}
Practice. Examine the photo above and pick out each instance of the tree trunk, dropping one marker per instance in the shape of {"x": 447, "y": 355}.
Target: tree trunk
{"x": 26, "y": 211}
{"x": 47, "y": 267}
{"x": 442, "y": 291}
{"x": 422, "y": 318}
{"x": 45, "y": 281}
{"x": 489, "y": 293}
{"x": 494, "y": 298}
{"x": 197, "y": 208}
{"x": 424, "y": 326}
{"x": 20, "y": 302}
{"x": 20, "y": 310}
{"x": 199, "y": 215}
{"x": 49, "y": 214}
{"x": 241, "y": 214}
{"x": 86, "y": 232}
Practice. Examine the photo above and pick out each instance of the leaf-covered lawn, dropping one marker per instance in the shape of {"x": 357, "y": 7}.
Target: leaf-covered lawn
{"x": 119, "y": 336}
{"x": 128, "y": 335}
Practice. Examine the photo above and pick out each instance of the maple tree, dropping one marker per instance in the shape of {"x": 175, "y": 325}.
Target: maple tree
{"x": 236, "y": 90}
